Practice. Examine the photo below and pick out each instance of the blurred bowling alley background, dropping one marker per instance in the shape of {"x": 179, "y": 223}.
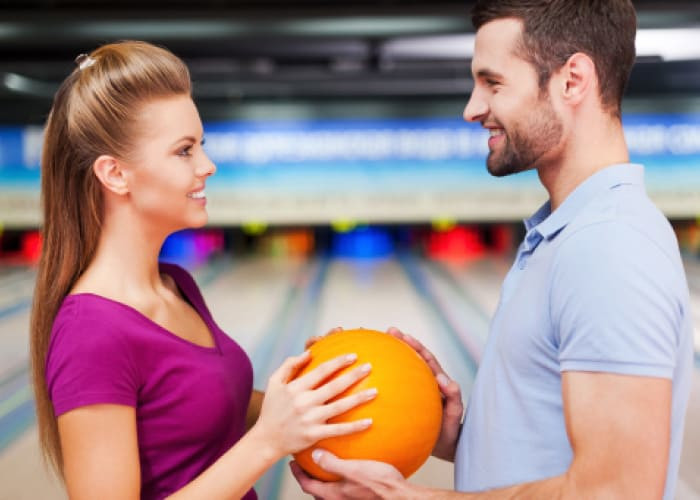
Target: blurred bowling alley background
{"x": 349, "y": 191}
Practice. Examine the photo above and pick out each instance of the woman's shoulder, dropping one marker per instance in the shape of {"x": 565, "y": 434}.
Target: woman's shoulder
{"x": 92, "y": 356}
{"x": 90, "y": 329}
{"x": 89, "y": 307}
{"x": 93, "y": 321}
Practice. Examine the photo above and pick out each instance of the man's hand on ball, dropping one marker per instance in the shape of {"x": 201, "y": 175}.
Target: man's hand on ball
{"x": 312, "y": 340}
{"x": 361, "y": 479}
{"x": 452, "y": 405}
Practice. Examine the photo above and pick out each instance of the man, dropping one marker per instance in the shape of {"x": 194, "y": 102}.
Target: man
{"x": 584, "y": 382}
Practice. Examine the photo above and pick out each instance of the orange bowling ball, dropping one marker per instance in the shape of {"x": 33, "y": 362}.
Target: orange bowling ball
{"x": 406, "y": 413}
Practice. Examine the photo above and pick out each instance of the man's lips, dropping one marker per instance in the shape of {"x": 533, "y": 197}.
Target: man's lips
{"x": 496, "y": 136}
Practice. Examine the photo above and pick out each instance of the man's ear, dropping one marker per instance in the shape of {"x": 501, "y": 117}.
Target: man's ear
{"x": 577, "y": 78}
{"x": 110, "y": 173}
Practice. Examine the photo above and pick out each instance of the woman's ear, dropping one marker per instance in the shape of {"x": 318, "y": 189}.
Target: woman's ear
{"x": 110, "y": 173}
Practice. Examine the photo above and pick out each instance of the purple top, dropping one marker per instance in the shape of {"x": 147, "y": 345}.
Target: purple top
{"x": 190, "y": 400}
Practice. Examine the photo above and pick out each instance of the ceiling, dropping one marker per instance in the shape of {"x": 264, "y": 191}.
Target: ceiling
{"x": 356, "y": 57}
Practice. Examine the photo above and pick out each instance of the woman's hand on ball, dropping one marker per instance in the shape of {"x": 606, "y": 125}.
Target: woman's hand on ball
{"x": 452, "y": 405}
{"x": 294, "y": 412}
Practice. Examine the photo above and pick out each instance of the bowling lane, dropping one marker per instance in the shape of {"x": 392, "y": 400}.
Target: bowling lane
{"x": 22, "y": 475}
{"x": 480, "y": 279}
{"x": 245, "y": 298}
{"x": 692, "y": 267}
{"x": 690, "y": 459}
{"x": 16, "y": 286}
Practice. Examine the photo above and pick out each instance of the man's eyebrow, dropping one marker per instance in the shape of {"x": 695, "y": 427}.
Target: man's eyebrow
{"x": 488, "y": 74}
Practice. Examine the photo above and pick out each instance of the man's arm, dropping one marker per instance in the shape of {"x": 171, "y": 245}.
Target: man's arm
{"x": 619, "y": 429}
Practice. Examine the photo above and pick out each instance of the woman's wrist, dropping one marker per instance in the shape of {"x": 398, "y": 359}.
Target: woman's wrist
{"x": 268, "y": 449}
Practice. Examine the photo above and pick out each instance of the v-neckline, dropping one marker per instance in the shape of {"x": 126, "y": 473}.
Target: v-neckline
{"x": 211, "y": 328}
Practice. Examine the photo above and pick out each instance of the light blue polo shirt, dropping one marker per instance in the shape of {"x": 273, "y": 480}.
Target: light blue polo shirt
{"x": 598, "y": 285}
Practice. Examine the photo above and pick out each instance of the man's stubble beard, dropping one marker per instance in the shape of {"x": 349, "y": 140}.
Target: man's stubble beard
{"x": 525, "y": 143}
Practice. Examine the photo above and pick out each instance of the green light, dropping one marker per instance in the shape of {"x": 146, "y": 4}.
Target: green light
{"x": 254, "y": 228}
{"x": 343, "y": 226}
{"x": 443, "y": 225}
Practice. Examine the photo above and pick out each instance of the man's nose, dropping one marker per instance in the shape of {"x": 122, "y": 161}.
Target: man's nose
{"x": 476, "y": 108}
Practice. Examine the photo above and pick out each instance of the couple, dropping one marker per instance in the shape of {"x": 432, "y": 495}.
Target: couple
{"x": 584, "y": 382}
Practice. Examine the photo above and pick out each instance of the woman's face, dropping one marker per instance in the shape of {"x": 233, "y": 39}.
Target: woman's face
{"x": 168, "y": 168}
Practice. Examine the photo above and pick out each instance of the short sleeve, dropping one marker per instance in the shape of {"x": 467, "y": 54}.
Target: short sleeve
{"x": 89, "y": 361}
{"x": 615, "y": 303}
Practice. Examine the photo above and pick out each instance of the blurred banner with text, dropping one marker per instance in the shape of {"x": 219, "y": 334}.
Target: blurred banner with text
{"x": 300, "y": 172}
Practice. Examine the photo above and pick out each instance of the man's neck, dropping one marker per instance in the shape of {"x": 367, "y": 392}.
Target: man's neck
{"x": 585, "y": 154}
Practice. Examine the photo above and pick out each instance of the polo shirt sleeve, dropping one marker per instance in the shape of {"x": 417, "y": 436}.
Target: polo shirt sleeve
{"x": 614, "y": 303}
{"x": 89, "y": 362}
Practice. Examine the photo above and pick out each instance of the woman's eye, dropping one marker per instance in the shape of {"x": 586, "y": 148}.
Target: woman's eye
{"x": 187, "y": 151}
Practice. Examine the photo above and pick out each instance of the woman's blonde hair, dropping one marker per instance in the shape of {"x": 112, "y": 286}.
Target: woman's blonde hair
{"x": 94, "y": 112}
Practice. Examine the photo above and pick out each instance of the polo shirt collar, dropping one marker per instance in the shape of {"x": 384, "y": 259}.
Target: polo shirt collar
{"x": 549, "y": 223}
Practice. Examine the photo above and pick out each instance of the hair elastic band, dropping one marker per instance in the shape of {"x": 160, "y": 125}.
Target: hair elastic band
{"x": 84, "y": 61}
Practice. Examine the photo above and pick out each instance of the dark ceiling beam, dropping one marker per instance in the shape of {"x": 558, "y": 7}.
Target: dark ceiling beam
{"x": 247, "y": 50}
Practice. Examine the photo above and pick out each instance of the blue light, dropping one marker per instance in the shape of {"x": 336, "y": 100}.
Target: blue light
{"x": 363, "y": 243}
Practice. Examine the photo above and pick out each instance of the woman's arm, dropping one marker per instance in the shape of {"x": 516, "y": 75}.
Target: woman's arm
{"x": 100, "y": 452}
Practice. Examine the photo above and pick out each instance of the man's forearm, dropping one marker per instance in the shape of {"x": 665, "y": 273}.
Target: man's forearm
{"x": 553, "y": 488}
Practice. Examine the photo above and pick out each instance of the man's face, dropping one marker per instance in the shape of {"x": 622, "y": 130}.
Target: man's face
{"x": 507, "y": 100}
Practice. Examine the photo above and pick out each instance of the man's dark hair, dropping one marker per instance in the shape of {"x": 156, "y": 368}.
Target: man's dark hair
{"x": 554, "y": 30}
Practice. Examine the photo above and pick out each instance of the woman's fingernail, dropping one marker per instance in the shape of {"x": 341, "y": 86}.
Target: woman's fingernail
{"x": 366, "y": 368}
{"x": 366, "y": 422}
{"x": 350, "y": 358}
{"x": 316, "y": 455}
{"x": 370, "y": 393}
{"x": 442, "y": 380}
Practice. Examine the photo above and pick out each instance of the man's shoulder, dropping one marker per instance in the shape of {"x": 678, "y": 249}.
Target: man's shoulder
{"x": 623, "y": 221}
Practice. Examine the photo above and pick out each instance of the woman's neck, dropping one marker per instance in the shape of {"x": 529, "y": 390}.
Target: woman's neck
{"x": 126, "y": 260}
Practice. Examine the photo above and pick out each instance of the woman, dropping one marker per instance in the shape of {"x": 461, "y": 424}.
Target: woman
{"x": 138, "y": 391}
